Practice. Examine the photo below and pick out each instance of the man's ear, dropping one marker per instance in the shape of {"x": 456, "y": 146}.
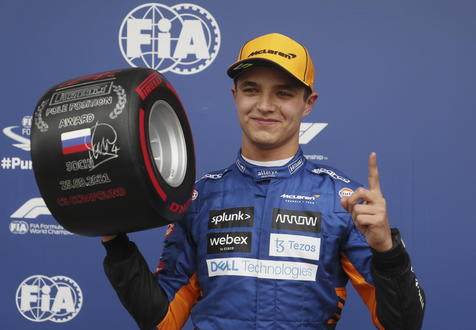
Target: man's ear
{"x": 311, "y": 100}
{"x": 233, "y": 92}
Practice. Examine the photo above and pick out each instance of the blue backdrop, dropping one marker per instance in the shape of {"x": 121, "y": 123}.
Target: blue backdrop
{"x": 395, "y": 77}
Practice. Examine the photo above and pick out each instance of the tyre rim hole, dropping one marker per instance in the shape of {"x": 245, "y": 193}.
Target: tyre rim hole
{"x": 167, "y": 143}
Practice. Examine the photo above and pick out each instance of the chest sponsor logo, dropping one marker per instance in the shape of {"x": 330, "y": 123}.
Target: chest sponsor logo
{"x": 229, "y": 242}
{"x": 267, "y": 174}
{"x": 298, "y": 246}
{"x": 229, "y": 218}
{"x": 305, "y": 221}
{"x": 300, "y": 198}
{"x": 271, "y": 269}
{"x": 345, "y": 192}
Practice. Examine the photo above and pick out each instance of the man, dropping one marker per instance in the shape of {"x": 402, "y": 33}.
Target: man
{"x": 271, "y": 241}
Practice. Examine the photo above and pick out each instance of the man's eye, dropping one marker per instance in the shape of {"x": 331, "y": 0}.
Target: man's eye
{"x": 285, "y": 93}
{"x": 249, "y": 90}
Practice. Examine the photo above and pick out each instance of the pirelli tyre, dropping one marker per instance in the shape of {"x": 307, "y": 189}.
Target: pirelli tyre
{"x": 113, "y": 152}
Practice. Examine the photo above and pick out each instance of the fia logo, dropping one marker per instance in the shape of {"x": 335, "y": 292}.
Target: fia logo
{"x": 184, "y": 38}
{"x": 19, "y": 227}
{"x": 23, "y": 141}
{"x": 40, "y": 298}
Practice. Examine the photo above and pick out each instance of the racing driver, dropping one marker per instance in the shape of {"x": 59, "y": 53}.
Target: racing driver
{"x": 271, "y": 241}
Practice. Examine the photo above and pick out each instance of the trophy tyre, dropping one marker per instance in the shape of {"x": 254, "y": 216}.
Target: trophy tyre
{"x": 113, "y": 152}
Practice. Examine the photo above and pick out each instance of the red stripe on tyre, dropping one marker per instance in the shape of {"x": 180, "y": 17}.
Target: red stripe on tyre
{"x": 145, "y": 154}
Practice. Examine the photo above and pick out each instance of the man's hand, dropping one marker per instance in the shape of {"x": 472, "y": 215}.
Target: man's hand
{"x": 371, "y": 216}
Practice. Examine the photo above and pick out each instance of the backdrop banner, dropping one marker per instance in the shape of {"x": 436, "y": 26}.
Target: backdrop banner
{"x": 394, "y": 77}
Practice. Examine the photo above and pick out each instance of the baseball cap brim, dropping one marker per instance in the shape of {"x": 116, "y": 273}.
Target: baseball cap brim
{"x": 239, "y": 67}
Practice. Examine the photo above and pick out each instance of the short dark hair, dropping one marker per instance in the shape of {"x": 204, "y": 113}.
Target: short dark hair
{"x": 307, "y": 92}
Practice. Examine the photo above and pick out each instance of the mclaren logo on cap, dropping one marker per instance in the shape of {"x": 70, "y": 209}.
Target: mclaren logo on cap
{"x": 275, "y": 52}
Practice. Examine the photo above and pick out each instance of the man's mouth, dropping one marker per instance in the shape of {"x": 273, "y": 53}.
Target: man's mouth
{"x": 265, "y": 121}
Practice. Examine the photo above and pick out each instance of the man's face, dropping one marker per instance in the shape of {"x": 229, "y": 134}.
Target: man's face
{"x": 270, "y": 106}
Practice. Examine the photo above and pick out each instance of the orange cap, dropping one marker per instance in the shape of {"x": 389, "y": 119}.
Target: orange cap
{"x": 276, "y": 49}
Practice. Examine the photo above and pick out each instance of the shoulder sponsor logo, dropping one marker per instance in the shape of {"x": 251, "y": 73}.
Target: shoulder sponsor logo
{"x": 271, "y": 269}
{"x": 295, "y": 166}
{"x": 228, "y": 242}
{"x": 330, "y": 173}
{"x": 297, "y": 246}
{"x": 184, "y": 38}
{"x": 194, "y": 194}
{"x": 41, "y": 298}
{"x": 233, "y": 217}
{"x": 213, "y": 176}
{"x": 305, "y": 221}
{"x": 240, "y": 166}
{"x": 345, "y": 192}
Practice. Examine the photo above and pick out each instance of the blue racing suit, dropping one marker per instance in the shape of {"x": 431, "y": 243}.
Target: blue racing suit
{"x": 269, "y": 248}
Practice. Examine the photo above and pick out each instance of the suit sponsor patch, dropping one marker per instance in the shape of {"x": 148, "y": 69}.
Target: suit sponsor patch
{"x": 298, "y": 246}
{"x": 345, "y": 192}
{"x": 227, "y": 242}
{"x": 272, "y": 269}
{"x": 305, "y": 221}
{"x": 229, "y": 218}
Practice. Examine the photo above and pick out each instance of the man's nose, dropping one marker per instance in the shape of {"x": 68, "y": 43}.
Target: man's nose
{"x": 266, "y": 103}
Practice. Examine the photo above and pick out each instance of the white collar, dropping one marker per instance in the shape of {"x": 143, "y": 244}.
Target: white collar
{"x": 271, "y": 163}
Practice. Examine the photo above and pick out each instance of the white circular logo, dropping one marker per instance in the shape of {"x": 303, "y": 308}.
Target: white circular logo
{"x": 40, "y": 298}
{"x": 184, "y": 38}
{"x": 26, "y": 122}
{"x": 345, "y": 192}
{"x": 19, "y": 227}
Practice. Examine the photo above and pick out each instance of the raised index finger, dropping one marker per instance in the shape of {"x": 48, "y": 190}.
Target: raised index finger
{"x": 374, "y": 179}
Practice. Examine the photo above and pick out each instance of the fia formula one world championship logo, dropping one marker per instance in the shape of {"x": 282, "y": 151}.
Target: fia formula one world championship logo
{"x": 23, "y": 140}
{"x": 41, "y": 298}
{"x": 184, "y": 38}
